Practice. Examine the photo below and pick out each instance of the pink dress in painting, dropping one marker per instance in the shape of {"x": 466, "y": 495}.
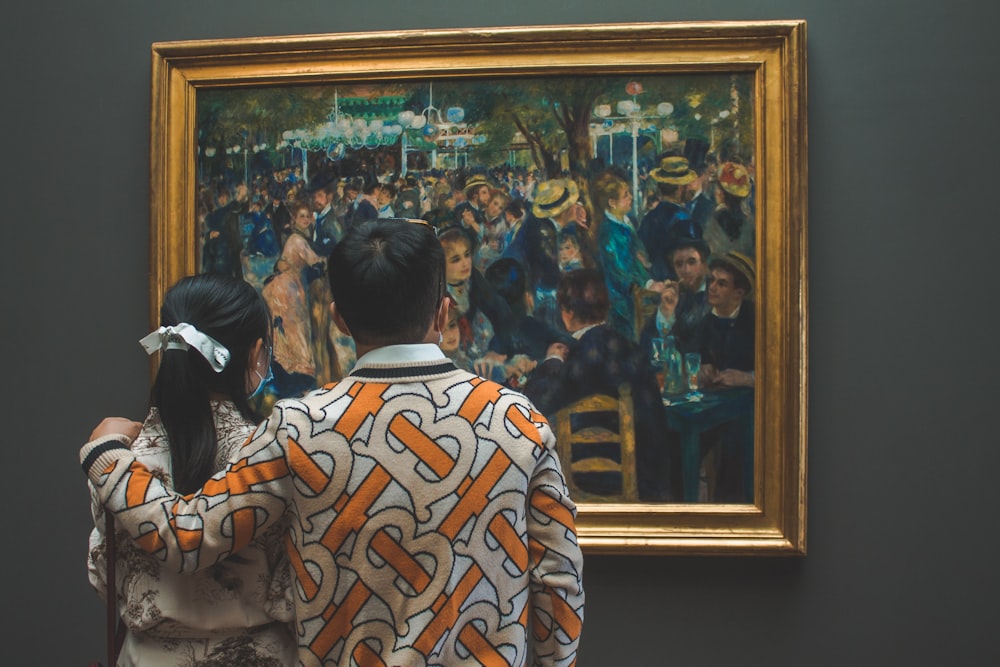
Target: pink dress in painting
{"x": 287, "y": 298}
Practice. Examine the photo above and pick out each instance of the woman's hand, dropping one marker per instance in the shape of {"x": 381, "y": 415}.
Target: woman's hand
{"x": 469, "y": 218}
{"x": 117, "y": 426}
{"x": 520, "y": 364}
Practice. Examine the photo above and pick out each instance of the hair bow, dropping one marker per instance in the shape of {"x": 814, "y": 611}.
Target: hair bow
{"x": 184, "y": 337}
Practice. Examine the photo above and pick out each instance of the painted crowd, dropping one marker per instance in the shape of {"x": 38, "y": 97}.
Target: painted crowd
{"x": 559, "y": 287}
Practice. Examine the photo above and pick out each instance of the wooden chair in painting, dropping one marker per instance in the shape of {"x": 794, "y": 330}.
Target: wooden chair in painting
{"x": 569, "y": 438}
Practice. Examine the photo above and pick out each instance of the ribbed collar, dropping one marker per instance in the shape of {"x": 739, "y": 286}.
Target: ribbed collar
{"x": 398, "y": 361}
{"x": 401, "y": 354}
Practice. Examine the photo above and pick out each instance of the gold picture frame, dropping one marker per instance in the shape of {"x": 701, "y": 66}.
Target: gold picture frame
{"x": 771, "y": 55}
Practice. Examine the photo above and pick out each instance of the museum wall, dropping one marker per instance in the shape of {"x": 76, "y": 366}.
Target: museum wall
{"x": 903, "y": 238}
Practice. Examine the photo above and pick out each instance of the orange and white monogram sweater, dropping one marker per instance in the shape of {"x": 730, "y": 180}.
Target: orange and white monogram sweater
{"x": 430, "y": 522}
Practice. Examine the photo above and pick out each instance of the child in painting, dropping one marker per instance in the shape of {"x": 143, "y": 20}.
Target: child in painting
{"x": 512, "y": 372}
{"x": 570, "y": 255}
{"x": 451, "y": 338}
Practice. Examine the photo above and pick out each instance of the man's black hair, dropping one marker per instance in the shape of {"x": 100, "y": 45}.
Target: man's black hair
{"x": 583, "y": 293}
{"x": 387, "y": 280}
{"x": 515, "y": 208}
{"x": 739, "y": 280}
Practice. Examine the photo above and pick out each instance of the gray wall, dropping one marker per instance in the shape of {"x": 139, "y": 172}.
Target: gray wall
{"x": 903, "y": 148}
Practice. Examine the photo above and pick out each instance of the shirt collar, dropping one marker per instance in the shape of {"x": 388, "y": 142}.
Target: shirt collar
{"x": 400, "y": 354}
{"x": 733, "y": 316}
{"x": 578, "y": 334}
{"x": 611, "y": 216}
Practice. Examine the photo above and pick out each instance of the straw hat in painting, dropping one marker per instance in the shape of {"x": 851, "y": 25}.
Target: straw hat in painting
{"x": 554, "y": 196}
{"x": 675, "y": 170}
{"x": 735, "y": 179}
{"x": 474, "y": 182}
{"x": 739, "y": 263}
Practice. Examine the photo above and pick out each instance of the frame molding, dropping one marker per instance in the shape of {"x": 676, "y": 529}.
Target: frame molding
{"x": 774, "y": 51}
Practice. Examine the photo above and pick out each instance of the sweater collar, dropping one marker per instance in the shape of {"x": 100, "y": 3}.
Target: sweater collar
{"x": 401, "y": 354}
{"x": 402, "y": 361}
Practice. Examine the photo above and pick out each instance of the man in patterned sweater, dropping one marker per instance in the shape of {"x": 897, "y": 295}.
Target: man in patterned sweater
{"x": 430, "y": 523}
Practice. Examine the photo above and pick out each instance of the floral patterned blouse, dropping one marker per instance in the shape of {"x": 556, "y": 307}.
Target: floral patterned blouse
{"x": 237, "y": 612}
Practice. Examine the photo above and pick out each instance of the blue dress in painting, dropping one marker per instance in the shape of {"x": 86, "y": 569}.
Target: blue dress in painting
{"x": 621, "y": 258}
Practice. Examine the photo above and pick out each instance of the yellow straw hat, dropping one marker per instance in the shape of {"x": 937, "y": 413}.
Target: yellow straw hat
{"x": 675, "y": 170}
{"x": 474, "y": 182}
{"x": 554, "y": 196}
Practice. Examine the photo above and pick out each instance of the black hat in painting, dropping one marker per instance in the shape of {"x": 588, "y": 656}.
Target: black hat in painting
{"x": 696, "y": 150}
{"x": 322, "y": 181}
{"x": 356, "y": 184}
{"x": 686, "y": 233}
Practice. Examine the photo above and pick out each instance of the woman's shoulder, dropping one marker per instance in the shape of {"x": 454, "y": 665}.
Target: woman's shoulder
{"x": 152, "y": 437}
{"x": 232, "y": 429}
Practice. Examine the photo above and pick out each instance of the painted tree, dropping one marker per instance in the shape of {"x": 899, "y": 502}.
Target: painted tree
{"x": 552, "y": 115}
{"x": 246, "y": 117}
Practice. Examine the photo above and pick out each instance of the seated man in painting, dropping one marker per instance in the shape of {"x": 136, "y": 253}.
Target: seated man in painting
{"x": 727, "y": 333}
{"x": 680, "y": 314}
{"x": 598, "y": 361}
{"x": 727, "y": 351}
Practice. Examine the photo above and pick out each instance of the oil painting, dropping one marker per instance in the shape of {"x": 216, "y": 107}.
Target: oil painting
{"x": 623, "y": 231}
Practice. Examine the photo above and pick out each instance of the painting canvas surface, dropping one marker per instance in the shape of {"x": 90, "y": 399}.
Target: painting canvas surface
{"x": 540, "y": 188}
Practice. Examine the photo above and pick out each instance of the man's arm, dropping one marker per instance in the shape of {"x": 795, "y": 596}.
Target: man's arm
{"x": 556, "y": 562}
{"x": 192, "y": 532}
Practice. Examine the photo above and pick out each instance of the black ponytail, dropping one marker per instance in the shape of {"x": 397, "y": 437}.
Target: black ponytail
{"x": 233, "y": 313}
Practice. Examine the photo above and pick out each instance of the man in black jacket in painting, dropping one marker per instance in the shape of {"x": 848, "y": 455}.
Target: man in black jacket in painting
{"x": 726, "y": 339}
{"x": 599, "y": 361}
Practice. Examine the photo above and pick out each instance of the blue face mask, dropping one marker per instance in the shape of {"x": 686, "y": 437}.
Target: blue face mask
{"x": 264, "y": 379}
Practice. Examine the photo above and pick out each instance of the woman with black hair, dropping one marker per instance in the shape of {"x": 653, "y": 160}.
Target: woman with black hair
{"x": 485, "y": 318}
{"x": 731, "y": 226}
{"x": 215, "y": 345}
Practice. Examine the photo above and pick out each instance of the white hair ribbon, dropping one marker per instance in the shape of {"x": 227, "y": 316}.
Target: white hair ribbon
{"x": 184, "y": 337}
